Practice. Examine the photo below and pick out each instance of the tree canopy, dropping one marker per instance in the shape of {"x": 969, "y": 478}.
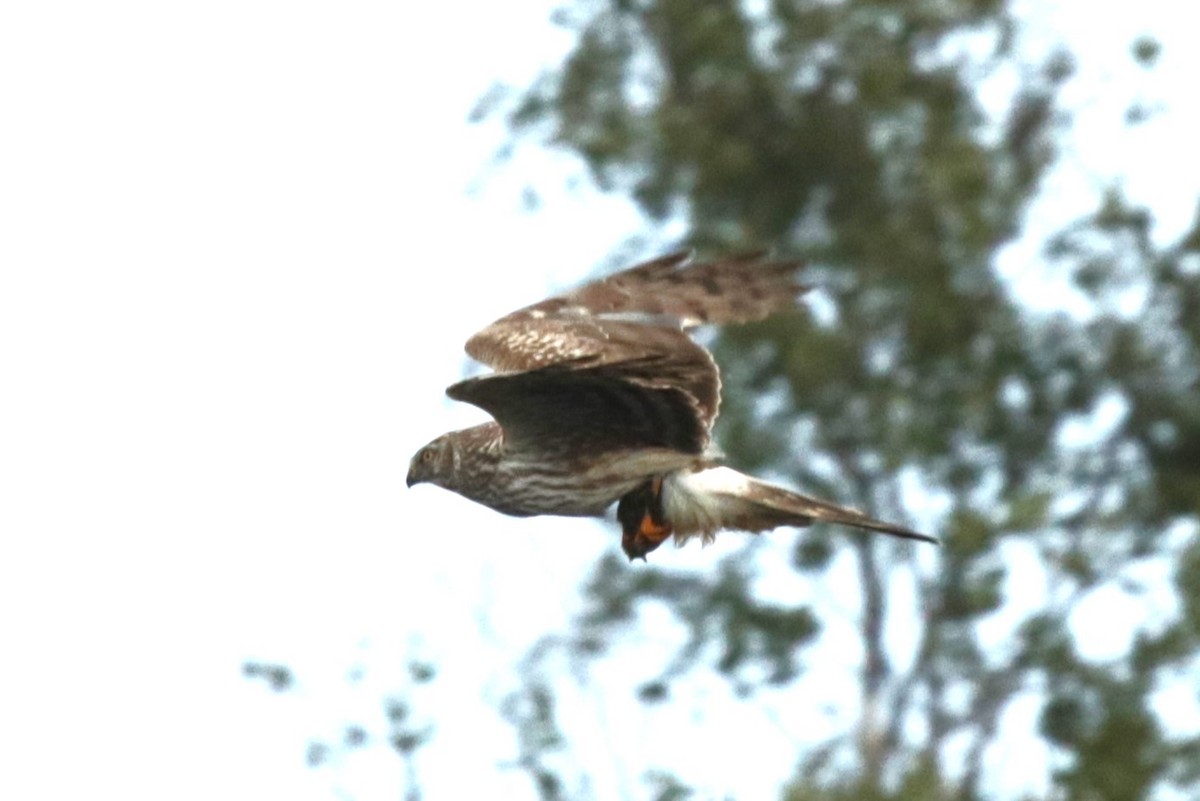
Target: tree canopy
{"x": 920, "y": 387}
{"x": 1054, "y": 447}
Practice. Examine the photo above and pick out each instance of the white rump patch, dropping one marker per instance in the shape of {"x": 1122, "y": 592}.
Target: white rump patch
{"x": 702, "y": 502}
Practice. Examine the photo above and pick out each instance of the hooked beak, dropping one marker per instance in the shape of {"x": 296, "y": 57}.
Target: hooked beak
{"x": 414, "y": 476}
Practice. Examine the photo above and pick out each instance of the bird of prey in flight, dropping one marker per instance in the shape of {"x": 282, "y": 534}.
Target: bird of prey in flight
{"x": 600, "y": 396}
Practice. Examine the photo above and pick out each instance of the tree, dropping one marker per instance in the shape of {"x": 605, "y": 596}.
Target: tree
{"x": 396, "y": 724}
{"x": 853, "y": 133}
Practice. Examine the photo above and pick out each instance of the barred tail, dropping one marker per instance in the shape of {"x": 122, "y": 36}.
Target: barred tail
{"x": 691, "y": 503}
{"x": 707, "y": 501}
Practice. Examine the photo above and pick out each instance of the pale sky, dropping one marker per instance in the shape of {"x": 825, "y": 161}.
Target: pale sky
{"x": 238, "y": 260}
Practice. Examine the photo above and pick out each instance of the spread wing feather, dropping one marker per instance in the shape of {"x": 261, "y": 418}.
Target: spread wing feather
{"x": 572, "y": 408}
{"x": 643, "y": 313}
{"x": 687, "y": 294}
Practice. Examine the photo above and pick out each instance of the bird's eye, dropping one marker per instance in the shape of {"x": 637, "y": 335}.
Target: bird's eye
{"x": 427, "y": 455}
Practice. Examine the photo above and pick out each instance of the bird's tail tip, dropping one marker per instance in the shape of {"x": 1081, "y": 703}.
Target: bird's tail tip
{"x": 719, "y": 497}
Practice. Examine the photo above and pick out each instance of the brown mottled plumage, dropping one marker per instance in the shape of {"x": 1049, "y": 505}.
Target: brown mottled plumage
{"x": 600, "y": 396}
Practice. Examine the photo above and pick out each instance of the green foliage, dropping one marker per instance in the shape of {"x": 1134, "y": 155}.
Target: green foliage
{"x": 751, "y": 631}
{"x": 278, "y": 677}
{"x": 532, "y": 714}
{"x": 920, "y": 783}
{"x": 1146, "y": 51}
{"x": 395, "y": 724}
{"x": 848, "y": 132}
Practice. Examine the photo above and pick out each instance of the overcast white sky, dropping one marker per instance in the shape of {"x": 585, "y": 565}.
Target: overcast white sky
{"x": 238, "y": 260}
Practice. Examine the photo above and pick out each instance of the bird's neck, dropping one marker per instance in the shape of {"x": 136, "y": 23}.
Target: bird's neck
{"x": 477, "y": 455}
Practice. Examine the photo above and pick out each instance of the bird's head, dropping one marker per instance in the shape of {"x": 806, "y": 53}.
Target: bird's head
{"x": 435, "y": 463}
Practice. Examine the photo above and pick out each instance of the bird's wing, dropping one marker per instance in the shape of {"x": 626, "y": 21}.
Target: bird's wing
{"x": 640, "y": 313}
{"x": 575, "y": 408}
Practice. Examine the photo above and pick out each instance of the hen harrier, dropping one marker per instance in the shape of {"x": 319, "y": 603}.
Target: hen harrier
{"x": 600, "y": 396}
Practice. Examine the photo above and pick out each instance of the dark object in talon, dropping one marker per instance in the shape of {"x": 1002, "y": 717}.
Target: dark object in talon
{"x": 643, "y": 524}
